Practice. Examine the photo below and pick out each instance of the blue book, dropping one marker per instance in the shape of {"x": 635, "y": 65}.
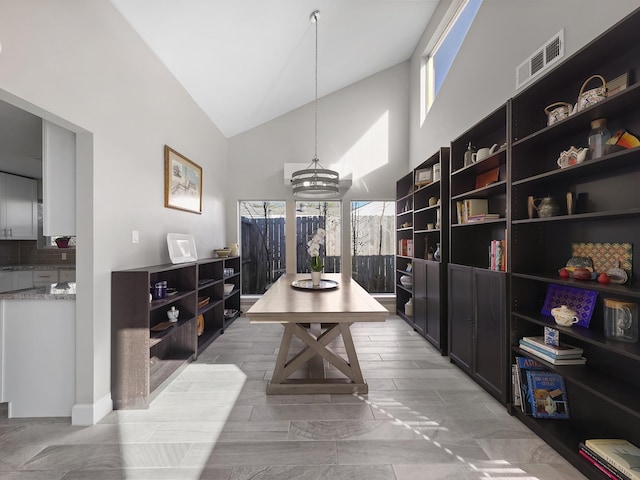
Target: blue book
{"x": 522, "y": 365}
{"x": 547, "y": 395}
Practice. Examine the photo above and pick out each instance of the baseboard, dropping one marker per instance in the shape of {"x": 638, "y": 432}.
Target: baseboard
{"x": 90, "y": 414}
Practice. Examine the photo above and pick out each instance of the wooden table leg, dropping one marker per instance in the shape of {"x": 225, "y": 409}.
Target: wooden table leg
{"x": 356, "y": 375}
{"x": 278, "y": 371}
{"x": 317, "y": 346}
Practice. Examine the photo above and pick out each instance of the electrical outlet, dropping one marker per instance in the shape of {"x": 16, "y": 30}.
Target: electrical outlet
{"x": 135, "y": 236}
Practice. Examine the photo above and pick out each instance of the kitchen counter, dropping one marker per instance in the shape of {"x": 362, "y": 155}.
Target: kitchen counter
{"x": 18, "y": 268}
{"x": 38, "y": 351}
{"x": 54, "y": 291}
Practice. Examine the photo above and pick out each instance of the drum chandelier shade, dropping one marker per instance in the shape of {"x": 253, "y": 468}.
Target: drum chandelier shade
{"x": 315, "y": 182}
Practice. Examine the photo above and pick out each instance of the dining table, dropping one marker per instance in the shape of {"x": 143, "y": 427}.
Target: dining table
{"x": 314, "y": 318}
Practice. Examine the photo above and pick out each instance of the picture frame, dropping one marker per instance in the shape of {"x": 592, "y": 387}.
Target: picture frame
{"x": 424, "y": 177}
{"x": 182, "y": 182}
{"x": 617, "y": 84}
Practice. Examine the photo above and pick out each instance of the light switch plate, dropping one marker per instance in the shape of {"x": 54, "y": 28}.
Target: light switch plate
{"x": 135, "y": 236}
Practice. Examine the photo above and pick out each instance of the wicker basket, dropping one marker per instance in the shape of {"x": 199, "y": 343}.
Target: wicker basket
{"x": 592, "y": 96}
{"x": 557, "y": 111}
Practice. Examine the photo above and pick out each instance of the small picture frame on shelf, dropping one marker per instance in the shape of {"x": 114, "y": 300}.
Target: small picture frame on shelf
{"x": 424, "y": 177}
{"x": 618, "y": 84}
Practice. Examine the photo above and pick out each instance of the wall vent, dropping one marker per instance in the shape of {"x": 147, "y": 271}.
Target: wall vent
{"x": 541, "y": 59}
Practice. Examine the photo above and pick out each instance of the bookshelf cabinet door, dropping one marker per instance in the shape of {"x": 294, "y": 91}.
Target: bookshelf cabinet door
{"x": 490, "y": 327}
{"x": 434, "y": 306}
{"x": 461, "y": 315}
{"x": 420, "y": 287}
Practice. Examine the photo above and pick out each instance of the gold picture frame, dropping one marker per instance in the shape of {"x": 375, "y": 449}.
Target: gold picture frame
{"x": 182, "y": 182}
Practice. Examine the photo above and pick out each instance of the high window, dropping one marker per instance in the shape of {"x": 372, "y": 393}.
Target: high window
{"x": 262, "y": 234}
{"x": 373, "y": 245}
{"x": 442, "y": 50}
{"x": 311, "y": 215}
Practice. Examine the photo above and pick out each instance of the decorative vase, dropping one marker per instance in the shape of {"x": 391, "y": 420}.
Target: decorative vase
{"x": 408, "y": 308}
{"x": 436, "y": 254}
{"x": 315, "y": 278}
{"x": 234, "y": 249}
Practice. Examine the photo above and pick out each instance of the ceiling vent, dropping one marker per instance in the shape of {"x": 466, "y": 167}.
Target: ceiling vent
{"x": 540, "y": 60}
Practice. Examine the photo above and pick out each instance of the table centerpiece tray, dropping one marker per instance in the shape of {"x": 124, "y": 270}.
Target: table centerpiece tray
{"x": 307, "y": 284}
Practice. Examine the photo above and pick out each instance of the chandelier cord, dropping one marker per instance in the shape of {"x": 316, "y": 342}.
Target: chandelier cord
{"x": 315, "y": 156}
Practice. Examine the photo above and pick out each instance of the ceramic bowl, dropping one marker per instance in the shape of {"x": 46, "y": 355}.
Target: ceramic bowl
{"x": 228, "y": 288}
{"x": 223, "y": 252}
{"x": 406, "y": 281}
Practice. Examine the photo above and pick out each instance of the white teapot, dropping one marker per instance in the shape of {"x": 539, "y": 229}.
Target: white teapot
{"x": 573, "y": 156}
{"x": 564, "y": 316}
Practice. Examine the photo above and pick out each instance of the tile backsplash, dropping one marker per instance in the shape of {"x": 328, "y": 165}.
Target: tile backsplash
{"x": 26, "y": 252}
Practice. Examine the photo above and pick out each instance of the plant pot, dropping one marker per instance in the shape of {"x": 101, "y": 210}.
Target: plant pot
{"x": 315, "y": 278}
{"x": 62, "y": 242}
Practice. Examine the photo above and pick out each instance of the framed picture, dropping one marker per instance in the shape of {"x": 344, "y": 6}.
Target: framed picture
{"x": 617, "y": 84}
{"x": 423, "y": 177}
{"x": 182, "y": 182}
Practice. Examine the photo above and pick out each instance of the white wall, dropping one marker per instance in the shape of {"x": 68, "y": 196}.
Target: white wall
{"x": 482, "y": 77}
{"x": 362, "y": 128}
{"x": 79, "y": 63}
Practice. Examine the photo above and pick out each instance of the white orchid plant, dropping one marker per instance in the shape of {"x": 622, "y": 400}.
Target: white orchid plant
{"x": 313, "y": 247}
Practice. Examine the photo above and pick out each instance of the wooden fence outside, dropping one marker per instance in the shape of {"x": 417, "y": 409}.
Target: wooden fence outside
{"x": 263, "y": 256}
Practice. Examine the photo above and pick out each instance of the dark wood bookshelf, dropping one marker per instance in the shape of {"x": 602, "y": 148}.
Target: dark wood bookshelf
{"x": 428, "y": 292}
{"x": 144, "y": 360}
{"x": 603, "y": 400}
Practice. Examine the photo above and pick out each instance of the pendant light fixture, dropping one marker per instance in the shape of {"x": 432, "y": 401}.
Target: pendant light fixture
{"x": 315, "y": 182}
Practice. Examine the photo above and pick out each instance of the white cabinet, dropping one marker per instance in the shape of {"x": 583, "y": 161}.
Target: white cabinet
{"x": 18, "y": 208}
{"x": 22, "y": 279}
{"x": 58, "y": 181}
{"x": 15, "y": 280}
{"x": 6, "y": 281}
{"x": 42, "y": 278}
{"x": 65, "y": 276}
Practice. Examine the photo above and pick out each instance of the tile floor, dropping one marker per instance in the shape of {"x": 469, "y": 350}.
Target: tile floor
{"x": 422, "y": 419}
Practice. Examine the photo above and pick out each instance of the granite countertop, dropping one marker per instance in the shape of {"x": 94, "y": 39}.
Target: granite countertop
{"x": 54, "y": 291}
{"x": 15, "y": 268}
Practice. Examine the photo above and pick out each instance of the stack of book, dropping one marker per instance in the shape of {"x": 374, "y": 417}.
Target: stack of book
{"x": 471, "y": 207}
{"x": 498, "y": 255}
{"x": 561, "y": 354}
{"x": 539, "y": 392}
{"x": 405, "y": 247}
{"x": 617, "y": 458}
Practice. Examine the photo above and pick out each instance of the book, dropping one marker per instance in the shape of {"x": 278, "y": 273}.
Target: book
{"x": 546, "y": 353}
{"x": 553, "y": 361}
{"x": 483, "y": 216}
{"x": 522, "y": 365}
{"x": 474, "y": 206}
{"x": 459, "y": 212}
{"x": 560, "y": 350}
{"x": 515, "y": 384}
{"x": 619, "y": 453}
{"x": 547, "y": 395}
{"x": 497, "y": 255}
{"x": 603, "y": 467}
{"x": 600, "y": 463}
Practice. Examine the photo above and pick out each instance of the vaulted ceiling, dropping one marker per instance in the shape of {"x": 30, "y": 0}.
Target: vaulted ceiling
{"x": 246, "y": 62}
